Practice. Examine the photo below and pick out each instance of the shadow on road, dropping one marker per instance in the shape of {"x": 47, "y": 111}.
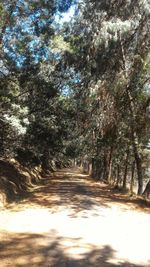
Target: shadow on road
{"x": 79, "y": 192}
{"x": 81, "y": 223}
{"x": 30, "y": 250}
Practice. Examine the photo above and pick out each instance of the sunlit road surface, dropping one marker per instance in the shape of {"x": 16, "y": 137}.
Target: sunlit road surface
{"x": 72, "y": 222}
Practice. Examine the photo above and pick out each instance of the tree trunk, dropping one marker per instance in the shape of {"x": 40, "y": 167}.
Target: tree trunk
{"x": 146, "y": 192}
{"x": 45, "y": 161}
{"x": 139, "y": 167}
{"x": 135, "y": 146}
{"x": 139, "y": 173}
{"x": 110, "y": 164}
{"x": 132, "y": 107}
{"x": 118, "y": 176}
{"x": 105, "y": 166}
{"x": 125, "y": 171}
{"x": 75, "y": 163}
{"x": 90, "y": 168}
{"x": 93, "y": 172}
{"x": 99, "y": 169}
{"x": 132, "y": 177}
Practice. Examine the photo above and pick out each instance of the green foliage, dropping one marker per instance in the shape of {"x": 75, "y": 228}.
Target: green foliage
{"x": 104, "y": 111}
{"x": 59, "y": 45}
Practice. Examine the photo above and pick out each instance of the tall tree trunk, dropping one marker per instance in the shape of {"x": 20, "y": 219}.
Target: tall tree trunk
{"x": 45, "y": 161}
{"x": 99, "y": 169}
{"x": 132, "y": 177}
{"x": 146, "y": 192}
{"x": 105, "y": 166}
{"x": 118, "y": 176}
{"x": 125, "y": 171}
{"x": 132, "y": 108}
{"x": 138, "y": 163}
{"x": 94, "y": 168}
{"x": 135, "y": 144}
{"x": 75, "y": 163}
{"x": 110, "y": 164}
{"x": 90, "y": 168}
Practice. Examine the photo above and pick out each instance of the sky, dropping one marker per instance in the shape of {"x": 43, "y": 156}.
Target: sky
{"x": 67, "y": 16}
{"x": 27, "y": 26}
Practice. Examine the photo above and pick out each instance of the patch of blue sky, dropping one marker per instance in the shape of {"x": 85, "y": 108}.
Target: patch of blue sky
{"x": 20, "y": 61}
{"x": 65, "y": 17}
{"x": 66, "y": 90}
{"x": 42, "y": 23}
{"x": 34, "y": 43}
{"x": 27, "y": 26}
{"x": 8, "y": 30}
{"x": 57, "y": 56}
{"x": 75, "y": 76}
{"x": 19, "y": 29}
{"x": 73, "y": 79}
{"x": 15, "y": 13}
{"x": 34, "y": 16}
{"x": 64, "y": 5}
{"x": 77, "y": 79}
{"x": 40, "y": 54}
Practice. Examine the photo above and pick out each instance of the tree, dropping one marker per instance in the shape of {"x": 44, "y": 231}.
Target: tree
{"x": 77, "y": 90}
{"x": 115, "y": 52}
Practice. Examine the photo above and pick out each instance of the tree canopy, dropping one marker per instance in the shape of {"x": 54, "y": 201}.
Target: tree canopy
{"x": 74, "y": 83}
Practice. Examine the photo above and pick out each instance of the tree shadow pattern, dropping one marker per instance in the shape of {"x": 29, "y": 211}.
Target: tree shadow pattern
{"x": 67, "y": 189}
{"x": 80, "y": 193}
{"x": 26, "y": 250}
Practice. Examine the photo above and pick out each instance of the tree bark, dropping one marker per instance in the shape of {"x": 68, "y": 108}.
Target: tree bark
{"x": 93, "y": 172}
{"x": 105, "y": 166}
{"x": 110, "y": 164}
{"x": 118, "y": 175}
{"x": 129, "y": 89}
{"x": 125, "y": 171}
{"x": 132, "y": 177}
{"x": 146, "y": 192}
{"x": 45, "y": 161}
{"x": 138, "y": 163}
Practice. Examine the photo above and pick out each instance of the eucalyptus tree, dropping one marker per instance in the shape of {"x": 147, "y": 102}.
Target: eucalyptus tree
{"x": 114, "y": 57}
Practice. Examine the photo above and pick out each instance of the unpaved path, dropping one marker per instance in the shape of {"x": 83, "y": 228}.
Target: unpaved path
{"x": 72, "y": 221}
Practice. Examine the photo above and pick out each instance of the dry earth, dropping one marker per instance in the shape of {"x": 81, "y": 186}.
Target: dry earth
{"x": 72, "y": 221}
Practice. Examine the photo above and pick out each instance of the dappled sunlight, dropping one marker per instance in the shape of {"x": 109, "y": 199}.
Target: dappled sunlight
{"x": 70, "y": 224}
{"x": 77, "y": 174}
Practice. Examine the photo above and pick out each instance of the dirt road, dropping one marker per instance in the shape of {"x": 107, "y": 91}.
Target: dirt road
{"x": 71, "y": 221}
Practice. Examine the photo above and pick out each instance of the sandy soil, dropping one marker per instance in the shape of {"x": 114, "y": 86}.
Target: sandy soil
{"x": 72, "y": 221}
